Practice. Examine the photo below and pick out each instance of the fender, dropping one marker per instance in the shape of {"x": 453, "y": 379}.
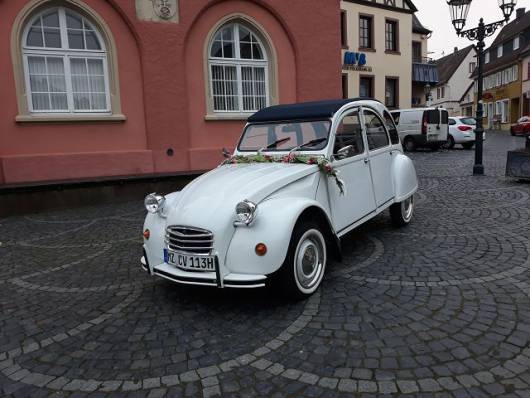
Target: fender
{"x": 273, "y": 226}
{"x": 404, "y": 177}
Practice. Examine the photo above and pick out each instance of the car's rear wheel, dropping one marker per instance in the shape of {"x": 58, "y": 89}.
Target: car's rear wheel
{"x": 468, "y": 145}
{"x": 401, "y": 212}
{"x": 303, "y": 269}
{"x": 409, "y": 145}
{"x": 450, "y": 143}
{"x": 512, "y": 131}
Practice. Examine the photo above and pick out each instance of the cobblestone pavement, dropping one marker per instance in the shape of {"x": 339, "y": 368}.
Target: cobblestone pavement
{"x": 439, "y": 308}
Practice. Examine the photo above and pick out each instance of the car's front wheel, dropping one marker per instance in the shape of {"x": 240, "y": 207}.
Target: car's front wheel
{"x": 401, "y": 212}
{"x": 303, "y": 270}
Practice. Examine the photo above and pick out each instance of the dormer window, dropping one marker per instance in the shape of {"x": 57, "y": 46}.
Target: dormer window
{"x": 499, "y": 51}
{"x": 516, "y": 43}
{"x": 487, "y": 57}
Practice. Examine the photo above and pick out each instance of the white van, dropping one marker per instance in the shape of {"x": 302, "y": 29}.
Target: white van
{"x": 422, "y": 127}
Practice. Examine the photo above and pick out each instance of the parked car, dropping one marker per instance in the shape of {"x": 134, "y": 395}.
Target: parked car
{"x": 422, "y": 127}
{"x": 522, "y": 127}
{"x": 301, "y": 177}
{"x": 462, "y": 131}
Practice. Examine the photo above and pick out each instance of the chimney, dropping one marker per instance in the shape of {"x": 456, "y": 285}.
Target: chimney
{"x": 456, "y": 49}
{"x": 519, "y": 13}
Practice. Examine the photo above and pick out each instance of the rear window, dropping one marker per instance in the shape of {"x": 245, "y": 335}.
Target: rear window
{"x": 432, "y": 116}
{"x": 469, "y": 121}
{"x": 445, "y": 117}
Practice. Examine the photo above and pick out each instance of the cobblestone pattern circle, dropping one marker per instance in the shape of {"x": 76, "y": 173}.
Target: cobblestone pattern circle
{"x": 439, "y": 308}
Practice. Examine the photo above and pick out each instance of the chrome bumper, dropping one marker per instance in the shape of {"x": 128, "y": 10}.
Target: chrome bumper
{"x": 213, "y": 279}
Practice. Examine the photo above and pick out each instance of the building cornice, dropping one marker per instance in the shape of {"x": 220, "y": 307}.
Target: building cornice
{"x": 370, "y": 3}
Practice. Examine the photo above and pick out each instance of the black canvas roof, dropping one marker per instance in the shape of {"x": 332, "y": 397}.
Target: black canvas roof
{"x": 301, "y": 111}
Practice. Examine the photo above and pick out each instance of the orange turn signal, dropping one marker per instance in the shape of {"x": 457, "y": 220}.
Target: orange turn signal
{"x": 147, "y": 234}
{"x": 261, "y": 249}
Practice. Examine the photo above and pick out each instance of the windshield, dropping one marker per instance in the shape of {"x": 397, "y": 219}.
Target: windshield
{"x": 469, "y": 121}
{"x": 284, "y": 136}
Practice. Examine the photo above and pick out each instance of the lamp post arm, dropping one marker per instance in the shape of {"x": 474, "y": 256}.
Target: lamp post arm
{"x": 482, "y": 31}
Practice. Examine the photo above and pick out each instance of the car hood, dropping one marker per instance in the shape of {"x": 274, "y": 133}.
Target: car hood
{"x": 213, "y": 196}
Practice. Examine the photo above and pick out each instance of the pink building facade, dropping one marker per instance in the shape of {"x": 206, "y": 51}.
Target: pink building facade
{"x": 109, "y": 88}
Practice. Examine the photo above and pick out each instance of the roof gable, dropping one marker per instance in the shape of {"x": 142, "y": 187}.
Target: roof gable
{"x": 448, "y": 65}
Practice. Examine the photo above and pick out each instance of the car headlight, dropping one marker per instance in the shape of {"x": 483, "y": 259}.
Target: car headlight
{"x": 245, "y": 213}
{"x": 154, "y": 203}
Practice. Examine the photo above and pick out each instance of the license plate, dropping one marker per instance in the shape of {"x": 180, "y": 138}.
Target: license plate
{"x": 186, "y": 261}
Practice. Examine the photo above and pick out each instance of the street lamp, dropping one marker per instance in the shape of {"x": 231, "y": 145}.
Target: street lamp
{"x": 459, "y": 10}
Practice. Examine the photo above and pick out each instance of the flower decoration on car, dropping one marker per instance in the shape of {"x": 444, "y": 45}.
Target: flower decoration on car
{"x": 323, "y": 163}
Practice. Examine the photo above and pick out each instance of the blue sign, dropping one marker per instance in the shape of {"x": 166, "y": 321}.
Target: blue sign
{"x": 353, "y": 58}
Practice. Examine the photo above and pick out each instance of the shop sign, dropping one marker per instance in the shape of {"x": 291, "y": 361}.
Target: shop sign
{"x": 355, "y": 61}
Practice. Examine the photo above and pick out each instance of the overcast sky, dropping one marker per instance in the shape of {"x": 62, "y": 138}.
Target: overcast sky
{"x": 434, "y": 14}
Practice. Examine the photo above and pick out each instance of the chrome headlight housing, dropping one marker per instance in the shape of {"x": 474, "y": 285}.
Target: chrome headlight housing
{"x": 245, "y": 213}
{"x": 154, "y": 203}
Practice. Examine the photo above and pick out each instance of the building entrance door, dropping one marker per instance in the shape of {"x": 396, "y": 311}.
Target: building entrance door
{"x": 514, "y": 110}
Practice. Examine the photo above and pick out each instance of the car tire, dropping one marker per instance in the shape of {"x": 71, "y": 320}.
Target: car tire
{"x": 512, "y": 132}
{"x": 401, "y": 212}
{"x": 303, "y": 269}
{"x": 409, "y": 145}
{"x": 468, "y": 145}
{"x": 450, "y": 143}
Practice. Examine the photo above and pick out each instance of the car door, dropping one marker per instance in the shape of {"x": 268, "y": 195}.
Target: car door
{"x": 358, "y": 199}
{"x": 380, "y": 156}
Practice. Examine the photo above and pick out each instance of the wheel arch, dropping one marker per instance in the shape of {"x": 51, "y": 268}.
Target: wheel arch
{"x": 404, "y": 177}
{"x": 316, "y": 213}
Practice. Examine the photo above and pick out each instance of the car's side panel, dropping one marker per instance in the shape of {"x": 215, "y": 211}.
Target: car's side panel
{"x": 273, "y": 227}
{"x": 404, "y": 177}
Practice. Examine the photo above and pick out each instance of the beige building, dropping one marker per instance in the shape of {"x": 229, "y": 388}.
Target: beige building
{"x": 381, "y": 41}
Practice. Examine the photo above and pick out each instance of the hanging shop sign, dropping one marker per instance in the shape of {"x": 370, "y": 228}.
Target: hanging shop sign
{"x": 355, "y": 61}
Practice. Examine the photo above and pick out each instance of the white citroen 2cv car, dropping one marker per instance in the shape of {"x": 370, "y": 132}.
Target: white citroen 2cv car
{"x": 301, "y": 177}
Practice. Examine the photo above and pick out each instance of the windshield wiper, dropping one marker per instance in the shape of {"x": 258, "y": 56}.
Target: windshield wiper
{"x": 309, "y": 143}
{"x": 274, "y": 144}
{"x": 312, "y": 142}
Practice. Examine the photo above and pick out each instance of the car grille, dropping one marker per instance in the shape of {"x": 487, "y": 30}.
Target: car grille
{"x": 189, "y": 240}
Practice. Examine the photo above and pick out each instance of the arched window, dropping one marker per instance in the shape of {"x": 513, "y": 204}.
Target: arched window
{"x": 238, "y": 68}
{"x": 65, "y": 64}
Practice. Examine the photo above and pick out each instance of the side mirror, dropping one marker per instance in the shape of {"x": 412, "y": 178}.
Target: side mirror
{"x": 226, "y": 153}
{"x": 343, "y": 152}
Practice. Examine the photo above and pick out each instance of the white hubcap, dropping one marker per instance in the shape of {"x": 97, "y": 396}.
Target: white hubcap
{"x": 310, "y": 260}
{"x": 407, "y": 208}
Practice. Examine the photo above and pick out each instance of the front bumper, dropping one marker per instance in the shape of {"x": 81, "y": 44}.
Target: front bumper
{"x": 213, "y": 279}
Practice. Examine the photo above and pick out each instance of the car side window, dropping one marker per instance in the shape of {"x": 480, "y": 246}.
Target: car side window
{"x": 391, "y": 127}
{"x": 396, "y": 116}
{"x": 452, "y": 122}
{"x": 349, "y": 134}
{"x": 375, "y": 131}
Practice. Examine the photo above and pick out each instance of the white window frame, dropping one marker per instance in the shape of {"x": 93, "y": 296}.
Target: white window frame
{"x": 499, "y": 51}
{"x": 66, "y": 54}
{"x": 516, "y": 43}
{"x": 238, "y": 63}
{"x": 487, "y": 57}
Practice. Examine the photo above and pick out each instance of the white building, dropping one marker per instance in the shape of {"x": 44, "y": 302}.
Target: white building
{"x": 454, "y": 73}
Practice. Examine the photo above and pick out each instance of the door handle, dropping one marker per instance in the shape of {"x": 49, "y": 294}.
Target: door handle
{"x": 391, "y": 153}
{"x": 366, "y": 160}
